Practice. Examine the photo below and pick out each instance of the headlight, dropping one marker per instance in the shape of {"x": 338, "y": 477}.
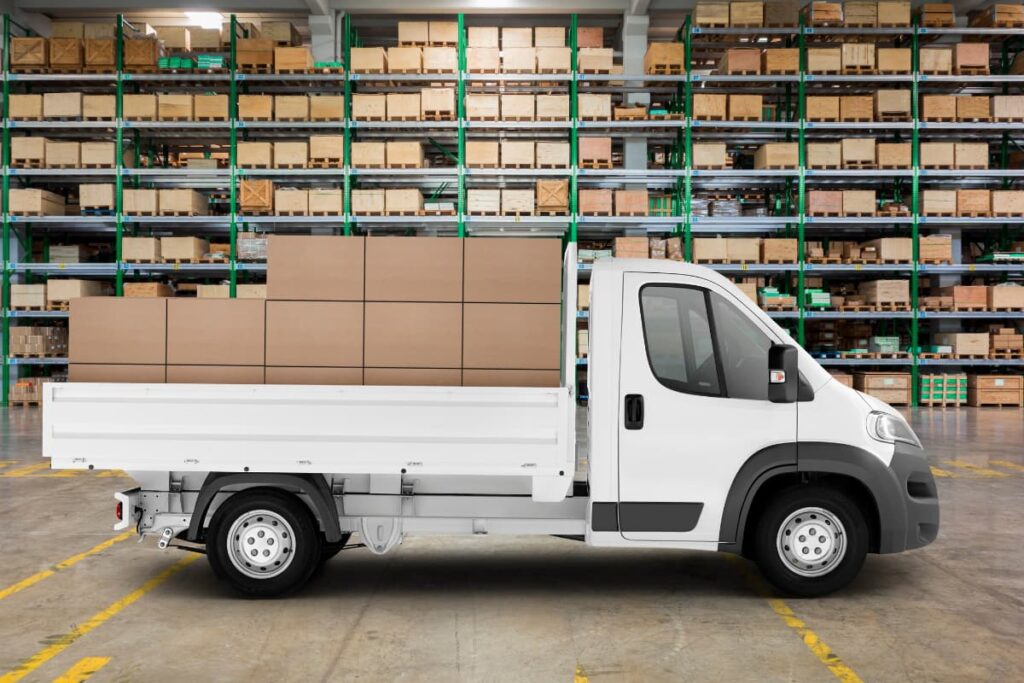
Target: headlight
{"x": 891, "y": 428}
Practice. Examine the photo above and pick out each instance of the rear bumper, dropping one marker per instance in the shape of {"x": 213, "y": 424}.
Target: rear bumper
{"x": 920, "y": 500}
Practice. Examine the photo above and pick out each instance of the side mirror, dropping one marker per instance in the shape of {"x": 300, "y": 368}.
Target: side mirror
{"x": 783, "y": 376}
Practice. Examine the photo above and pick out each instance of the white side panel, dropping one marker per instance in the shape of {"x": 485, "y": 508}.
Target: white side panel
{"x": 313, "y": 429}
{"x": 570, "y": 296}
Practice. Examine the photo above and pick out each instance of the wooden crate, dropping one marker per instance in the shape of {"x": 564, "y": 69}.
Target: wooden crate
{"x": 517, "y": 202}
{"x": 183, "y": 249}
{"x": 1005, "y": 296}
{"x": 28, "y": 296}
{"x": 25, "y": 107}
{"x": 743, "y": 249}
{"x": 937, "y": 14}
{"x": 482, "y": 36}
{"x": 664, "y": 58}
{"x": 549, "y": 36}
{"x": 709, "y": 155}
{"x": 62, "y": 105}
{"x": 141, "y": 249}
{"x": 595, "y": 151}
{"x": 824, "y": 202}
{"x": 518, "y": 108}
{"x": 937, "y": 155}
{"x": 858, "y": 58}
{"x": 516, "y": 37}
{"x": 256, "y": 196}
{"x": 35, "y": 202}
{"x": 444, "y": 33}
{"x": 326, "y": 107}
{"x": 936, "y": 248}
{"x": 67, "y": 29}
{"x": 481, "y": 107}
{"x": 893, "y": 13}
{"x": 256, "y": 107}
{"x": 291, "y": 107}
{"x": 404, "y": 154}
{"x": 938, "y": 107}
{"x": 554, "y": 60}
{"x": 100, "y": 54}
{"x": 594, "y": 60}
{"x": 369, "y": 154}
{"x": 824, "y": 155}
{"x": 28, "y": 152}
{"x": 142, "y": 202}
{"x": 891, "y": 387}
{"x": 254, "y": 154}
{"x": 971, "y": 203}
{"x": 28, "y": 53}
{"x": 856, "y": 108}
{"x": 413, "y": 33}
{"x": 174, "y": 107}
{"x": 709, "y": 107}
{"x": 780, "y": 60}
{"x": 138, "y": 107}
{"x": 589, "y": 36}
{"x": 291, "y": 202}
{"x": 325, "y": 202}
{"x": 204, "y": 38}
{"x": 891, "y": 249}
{"x": 402, "y": 106}
{"x": 182, "y": 202}
{"x": 552, "y": 195}
{"x": 482, "y": 154}
{"x": 894, "y": 154}
{"x": 483, "y": 60}
{"x": 971, "y": 58}
{"x": 631, "y": 203}
{"x": 210, "y": 107}
{"x": 66, "y": 53}
{"x": 140, "y": 52}
{"x": 326, "y": 150}
{"x": 859, "y": 202}
{"x": 368, "y": 202}
{"x": 595, "y": 202}
{"x": 938, "y": 202}
{"x": 823, "y": 13}
{"x": 893, "y": 60}
{"x": 290, "y": 154}
{"x": 1008, "y": 202}
{"x": 368, "y": 60}
{"x": 935, "y": 60}
{"x": 1008, "y": 107}
{"x": 740, "y": 60}
{"x": 860, "y": 14}
{"x": 281, "y": 32}
{"x": 858, "y": 152}
{"x": 973, "y": 108}
{"x": 552, "y": 107}
{"x": 710, "y": 249}
{"x": 777, "y": 155}
{"x": 483, "y": 202}
{"x": 62, "y": 154}
{"x": 518, "y": 154}
{"x": 594, "y": 107}
{"x": 824, "y": 60}
{"x": 970, "y": 155}
{"x": 711, "y": 14}
{"x": 519, "y": 60}
{"x": 552, "y": 154}
{"x": 892, "y": 105}
{"x": 65, "y": 290}
{"x": 822, "y": 108}
{"x": 440, "y": 60}
{"x": 778, "y": 250}
{"x": 994, "y": 390}
{"x": 744, "y": 14}
{"x": 405, "y": 60}
{"x": 369, "y": 107}
{"x": 175, "y": 38}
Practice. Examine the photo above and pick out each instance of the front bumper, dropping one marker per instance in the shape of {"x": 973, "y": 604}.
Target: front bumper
{"x": 920, "y": 499}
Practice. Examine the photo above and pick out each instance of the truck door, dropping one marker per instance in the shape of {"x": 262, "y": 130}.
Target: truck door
{"x": 693, "y": 404}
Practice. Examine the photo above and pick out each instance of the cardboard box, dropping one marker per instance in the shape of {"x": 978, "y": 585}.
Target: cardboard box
{"x": 777, "y": 155}
{"x": 482, "y": 107}
{"x": 292, "y": 107}
{"x": 631, "y": 247}
{"x": 936, "y": 248}
{"x": 66, "y": 29}
{"x": 894, "y": 154}
{"x": 256, "y": 107}
{"x": 67, "y": 290}
{"x": 858, "y": 152}
{"x": 413, "y": 335}
{"x": 859, "y": 14}
{"x": 143, "y": 202}
{"x": 204, "y": 38}
{"x": 517, "y": 201}
{"x": 856, "y": 108}
{"x": 743, "y": 249}
{"x": 493, "y": 336}
{"x": 972, "y": 155}
{"x": 62, "y": 105}
{"x": 326, "y": 107}
{"x": 512, "y": 37}
{"x": 858, "y": 58}
{"x": 444, "y": 33}
{"x": 34, "y": 202}
{"x": 552, "y": 107}
{"x": 207, "y": 107}
{"x": 938, "y": 107}
{"x": 859, "y": 203}
{"x": 549, "y": 36}
{"x": 413, "y": 33}
{"x": 893, "y": 249}
{"x": 594, "y": 106}
{"x": 885, "y": 291}
{"x": 893, "y": 13}
{"x": 174, "y": 38}
{"x": 281, "y": 32}
{"x": 964, "y": 343}
{"x": 519, "y": 60}
{"x": 404, "y": 154}
{"x": 937, "y": 155}
{"x": 369, "y": 107}
{"x": 518, "y": 154}
{"x": 254, "y": 154}
{"x": 215, "y": 332}
{"x": 315, "y": 268}
{"x": 403, "y": 106}
{"x": 595, "y": 151}
{"x": 215, "y": 374}
{"x": 140, "y": 249}
{"x": 183, "y": 249}
{"x": 25, "y": 107}
{"x": 482, "y": 154}
{"x": 418, "y": 377}
{"x": 61, "y": 154}
{"x": 631, "y": 202}
{"x": 96, "y": 196}
{"x": 437, "y": 103}
{"x": 971, "y": 58}
{"x": 778, "y": 250}
{"x": 554, "y": 59}
{"x": 824, "y": 202}
{"x": 824, "y": 154}
{"x": 293, "y": 60}
{"x": 746, "y": 13}
{"x": 1008, "y": 202}
{"x": 513, "y": 270}
{"x": 369, "y": 154}
{"x": 553, "y": 196}
{"x": 314, "y": 333}
{"x": 119, "y": 374}
{"x": 427, "y": 269}
{"x": 938, "y": 202}
{"x": 1008, "y": 107}
{"x": 28, "y": 152}
{"x": 182, "y": 202}
{"x": 664, "y": 58}
{"x": 325, "y": 202}
{"x": 709, "y": 107}
{"x": 118, "y": 330}
{"x": 1005, "y": 296}
{"x": 483, "y": 60}
{"x": 405, "y": 60}
{"x": 28, "y": 296}
{"x": 709, "y": 155}
{"x": 367, "y": 60}
{"x": 784, "y": 60}
{"x": 317, "y": 376}
{"x": 892, "y": 105}
{"x": 894, "y": 60}
{"x": 589, "y": 36}
{"x": 482, "y": 36}
{"x": 138, "y": 107}
{"x": 973, "y": 108}
{"x": 288, "y": 154}
{"x": 326, "y": 150}
{"x": 824, "y": 60}
{"x": 935, "y": 60}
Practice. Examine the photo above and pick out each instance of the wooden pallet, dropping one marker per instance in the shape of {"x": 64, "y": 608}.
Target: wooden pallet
{"x": 892, "y": 306}
{"x": 23, "y": 403}
{"x": 595, "y": 164}
{"x": 972, "y": 71}
{"x": 826, "y": 214}
{"x": 1008, "y": 309}
{"x": 325, "y": 163}
{"x": 970, "y": 356}
{"x": 432, "y": 115}
{"x": 27, "y": 163}
{"x": 290, "y": 213}
{"x": 177, "y": 213}
{"x": 596, "y": 213}
{"x": 972, "y": 214}
{"x": 666, "y": 70}
{"x": 856, "y": 308}
{"x": 969, "y": 307}
{"x": 858, "y": 70}
{"x": 935, "y": 261}
{"x": 58, "y": 305}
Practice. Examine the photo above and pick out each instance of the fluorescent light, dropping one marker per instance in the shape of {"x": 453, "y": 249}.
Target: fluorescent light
{"x": 205, "y": 19}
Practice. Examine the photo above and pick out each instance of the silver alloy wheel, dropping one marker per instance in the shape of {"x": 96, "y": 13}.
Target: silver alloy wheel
{"x": 261, "y": 544}
{"x": 811, "y": 542}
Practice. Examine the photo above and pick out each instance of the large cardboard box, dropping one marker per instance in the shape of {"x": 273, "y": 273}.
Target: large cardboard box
{"x": 325, "y": 201}
{"x": 664, "y": 58}
{"x": 413, "y": 335}
{"x": 290, "y": 154}
{"x": 141, "y": 202}
{"x": 119, "y": 374}
{"x": 595, "y": 202}
{"x": 482, "y": 153}
{"x": 482, "y": 36}
{"x": 291, "y": 201}
{"x": 315, "y": 268}
{"x": 404, "y": 154}
{"x": 141, "y": 249}
{"x": 402, "y": 106}
{"x": 215, "y": 374}
{"x": 369, "y": 154}
{"x": 62, "y": 154}
{"x": 183, "y": 202}
{"x": 315, "y": 333}
{"x": 412, "y": 32}
{"x": 512, "y": 336}
{"x": 966, "y": 343}
{"x": 99, "y": 107}
{"x": 519, "y": 60}
{"x": 367, "y": 202}
{"x": 552, "y": 107}
{"x": 368, "y": 60}
{"x": 183, "y": 249}
{"x": 25, "y": 107}
{"x": 894, "y": 249}
{"x": 31, "y": 201}
{"x": 215, "y": 332}
{"x": 118, "y": 330}
{"x": 511, "y": 378}
{"x": 324, "y": 376}
{"x": 552, "y": 154}
{"x": 425, "y": 269}
{"x": 70, "y": 289}
{"x": 518, "y": 107}
{"x": 254, "y": 154}
{"x": 549, "y": 36}
{"x": 513, "y": 270}
{"x": 590, "y": 36}
{"x": 437, "y": 103}
{"x": 512, "y": 37}
{"x": 482, "y": 107}
{"x": 483, "y": 60}
{"x": 138, "y": 107}
{"x": 518, "y": 154}
{"x": 416, "y": 377}
{"x": 208, "y": 107}
{"x": 1007, "y": 295}
{"x": 553, "y": 59}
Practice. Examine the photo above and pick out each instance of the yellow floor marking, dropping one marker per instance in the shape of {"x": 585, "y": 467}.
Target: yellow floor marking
{"x": 1008, "y": 465}
{"x": 26, "y": 470}
{"x": 939, "y": 472}
{"x": 816, "y": 645}
{"x": 5, "y": 463}
{"x": 65, "y": 641}
{"x": 83, "y": 670}
{"x": 977, "y": 469}
{"x": 63, "y": 564}
{"x": 111, "y": 473}
{"x": 580, "y": 677}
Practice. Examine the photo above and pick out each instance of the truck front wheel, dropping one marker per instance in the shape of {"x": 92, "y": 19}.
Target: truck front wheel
{"x": 811, "y": 540}
{"x": 263, "y": 542}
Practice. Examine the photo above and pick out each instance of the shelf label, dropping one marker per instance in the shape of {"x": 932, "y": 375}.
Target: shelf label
{"x": 126, "y": 77}
{"x": 858, "y": 266}
{"x": 808, "y": 77}
{"x": 12, "y": 171}
{"x": 12, "y": 124}
{"x": 60, "y": 266}
{"x": 808, "y": 266}
{"x": 177, "y": 266}
{"x": 240, "y": 77}
{"x": 694, "y": 77}
{"x": 970, "y": 267}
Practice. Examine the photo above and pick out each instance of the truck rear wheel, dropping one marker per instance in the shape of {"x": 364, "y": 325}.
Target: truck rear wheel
{"x": 263, "y": 542}
{"x": 811, "y": 541}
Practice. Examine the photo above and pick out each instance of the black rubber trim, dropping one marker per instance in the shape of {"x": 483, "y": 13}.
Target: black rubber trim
{"x": 639, "y": 517}
{"x": 314, "y": 486}
{"x": 604, "y": 517}
{"x": 759, "y": 468}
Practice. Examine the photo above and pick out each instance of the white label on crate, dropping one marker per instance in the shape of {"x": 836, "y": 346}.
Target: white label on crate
{"x": 999, "y": 382}
{"x": 888, "y": 381}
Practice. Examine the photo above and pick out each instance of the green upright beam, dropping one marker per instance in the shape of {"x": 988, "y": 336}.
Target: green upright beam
{"x": 233, "y": 179}
{"x": 5, "y": 302}
{"x": 119, "y": 162}
{"x": 687, "y": 142}
{"x": 915, "y": 193}
{"x": 346, "y": 35}
{"x": 574, "y": 136}
{"x": 460, "y": 89}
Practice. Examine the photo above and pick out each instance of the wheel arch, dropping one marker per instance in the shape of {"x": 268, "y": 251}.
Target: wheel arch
{"x": 314, "y": 486}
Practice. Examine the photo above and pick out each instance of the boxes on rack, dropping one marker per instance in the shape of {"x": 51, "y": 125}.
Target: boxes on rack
{"x": 824, "y": 60}
{"x": 324, "y": 107}
{"x": 182, "y": 202}
{"x": 290, "y": 201}
{"x": 517, "y": 107}
{"x": 292, "y": 107}
{"x": 34, "y": 202}
{"x": 139, "y": 107}
{"x": 740, "y": 61}
{"x": 482, "y": 107}
{"x": 894, "y": 154}
{"x": 256, "y": 107}
{"x": 552, "y": 107}
{"x": 777, "y": 155}
{"x": 62, "y": 105}
{"x": 369, "y": 107}
{"x": 822, "y": 108}
{"x": 256, "y": 196}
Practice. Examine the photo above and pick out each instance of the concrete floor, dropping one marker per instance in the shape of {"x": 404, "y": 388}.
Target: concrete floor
{"x": 516, "y": 609}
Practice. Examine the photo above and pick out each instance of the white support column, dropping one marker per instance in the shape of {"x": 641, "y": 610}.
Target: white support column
{"x": 634, "y": 47}
{"x": 324, "y": 37}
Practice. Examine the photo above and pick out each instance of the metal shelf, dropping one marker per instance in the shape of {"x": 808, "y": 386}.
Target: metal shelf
{"x": 980, "y": 362}
{"x": 865, "y": 361}
{"x": 376, "y": 78}
{"x": 56, "y": 315}
{"x": 857, "y": 315}
{"x": 972, "y": 315}
{"x": 94, "y": 269}
{"x": 37, "y": 361}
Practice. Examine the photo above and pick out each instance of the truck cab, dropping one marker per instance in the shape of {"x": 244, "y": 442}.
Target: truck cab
{"x": 708, "y": 428}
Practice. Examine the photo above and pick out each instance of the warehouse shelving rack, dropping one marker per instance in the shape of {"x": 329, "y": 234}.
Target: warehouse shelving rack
{"x": 679, "y": 178}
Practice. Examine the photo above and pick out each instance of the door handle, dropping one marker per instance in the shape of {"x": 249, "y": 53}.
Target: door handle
{"x": 634, "y": 411}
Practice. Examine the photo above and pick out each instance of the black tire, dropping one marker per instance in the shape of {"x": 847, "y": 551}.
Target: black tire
{"x": 779, "y": 572}
{"x": 329, "y": 550}
{"x": 303, "y": 546}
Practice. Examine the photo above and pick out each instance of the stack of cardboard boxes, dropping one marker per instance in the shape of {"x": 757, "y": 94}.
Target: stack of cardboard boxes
{"x": 346, "y": 310}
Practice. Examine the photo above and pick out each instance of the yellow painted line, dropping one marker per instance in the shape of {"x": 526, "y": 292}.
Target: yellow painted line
{"x": 63, "y": 564}
{"x": 986, "y": 472}
{"x": 65, "y": 641}
{"x": 1008, "y": 465}
{"x": 5, "y": 463}
{"x": 111, "y": 473}
{"x": 816, "y": 645}
{"x": 28, "y": 469}
{"x": 939, "y": 472}
{"x": 579, "y": 676}
{"x": 83, "y": 670}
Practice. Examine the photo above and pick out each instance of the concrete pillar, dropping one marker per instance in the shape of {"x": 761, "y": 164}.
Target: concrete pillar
{"x": 324, "y": 38}
{"x": 634, "y": 47}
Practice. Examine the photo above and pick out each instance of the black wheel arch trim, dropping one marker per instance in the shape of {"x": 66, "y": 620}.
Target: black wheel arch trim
{"x": 313, "y": 485}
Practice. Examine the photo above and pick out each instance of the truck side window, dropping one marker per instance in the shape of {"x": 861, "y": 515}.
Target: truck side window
{"x": 677, "y": 334}
{"x": 743, "y": 349}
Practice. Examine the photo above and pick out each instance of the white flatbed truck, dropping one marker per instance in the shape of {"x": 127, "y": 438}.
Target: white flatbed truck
{"x": 708, "y": 429}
